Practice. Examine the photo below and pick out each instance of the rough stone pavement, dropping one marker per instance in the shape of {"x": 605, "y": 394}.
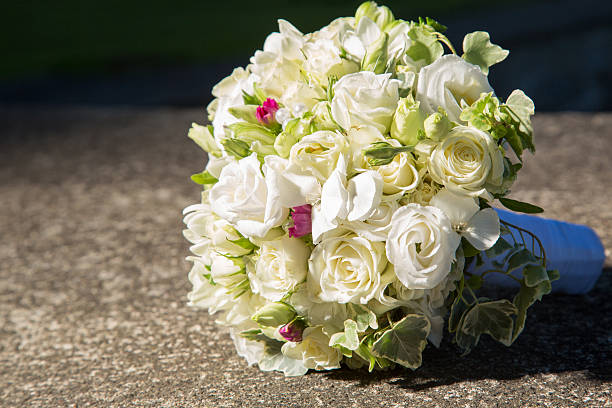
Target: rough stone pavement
{"x": 93, "y": 280}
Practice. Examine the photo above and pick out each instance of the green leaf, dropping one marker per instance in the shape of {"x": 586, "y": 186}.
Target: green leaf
{"x": 478, "y": 50}
{"x": 348, "y": 338}
{"x": 475, "y": 282}
{"x": 534, "y": 275}
{"x": 405, "y": 341}
{"x": 499, "y": 248}
{"x": 520, "y": 259}
{"x": 492, "y": 318}
{"x": 553, "y": 275}
{"x": 244, "y": 242}
{"x": 424, "y": 44}
{"x": 203, "y": 178}
{"x": 524, "y": 299}
{"x": 521, "y": 108}
{"x": 468, "y": 249}
{"x": 520, "y": 206}
{"x": 434, "y": 24}
{"x": 363, "y": 316}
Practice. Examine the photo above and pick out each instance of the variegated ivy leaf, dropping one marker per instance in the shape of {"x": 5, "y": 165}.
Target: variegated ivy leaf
{"x": 405, "y": 341}
{"x": 424, "y": 47}
{"x": 493, "y": 318}
{"x": 528, "y": 296}
{"x": 348, "y": 338}
{"x": 363, "y": 316}
{"x": 478, "y": 50}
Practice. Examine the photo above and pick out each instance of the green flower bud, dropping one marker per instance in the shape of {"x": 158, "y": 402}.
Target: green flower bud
{"x": 375, "y": 58}
{"x": 381, "y": 153}
{"x": 384, "y": 17}
{"x": 202, "y": 135}
{"x": 250, "y": 132}
{"x": 366, "y": 9}
{"x": 437, "y": 126}
{"x": 274, "y": 314}
{"x": 244, "y": 112}
{"x": 236, "y": 148}
{"x": 284, "y": 142}
{"x": 407, "y": 121}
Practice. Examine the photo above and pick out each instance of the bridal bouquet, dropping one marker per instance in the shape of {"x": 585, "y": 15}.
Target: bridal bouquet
{"x": 347, "y": 197}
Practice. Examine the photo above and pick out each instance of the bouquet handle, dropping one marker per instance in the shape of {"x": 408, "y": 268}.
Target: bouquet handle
{"x": 574, "y": 250}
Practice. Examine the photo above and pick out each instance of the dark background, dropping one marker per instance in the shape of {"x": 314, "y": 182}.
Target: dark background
{"x": 170, "y": 53}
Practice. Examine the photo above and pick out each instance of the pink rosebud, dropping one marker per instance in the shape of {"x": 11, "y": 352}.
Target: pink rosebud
{"x": 265, "y": 113}
{"x": 293, "y": 331}
{"x": 302, "y": 221}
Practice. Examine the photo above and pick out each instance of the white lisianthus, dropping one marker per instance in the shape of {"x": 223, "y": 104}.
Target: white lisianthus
{"x": 466, "y": 161}
{"x": 348, "y": 268}
{"x": 323, "y": 59}
{"x": 421, "y": 245}
{"x": 251, "y": 351}
{"x": 242, "y": 197}
{"x": 365, "y": 98}
{"x": 282, "y": 264}
{"x": 449, "y": 83}
{"x": 479, "y": 227}
{"x": 376, "y": 227}
{"x": 318, "y": 153}
{"x": 216, "y": 164}
{"x": 227, "y": 272}
{"x": 314, "y": 350}
{"x": 296, "y": 185}
{"x": 356, "y": 42}
{"x": 204, "y": 293}
{"x": 330, "y": 315}
{"x": 229, "y": 93}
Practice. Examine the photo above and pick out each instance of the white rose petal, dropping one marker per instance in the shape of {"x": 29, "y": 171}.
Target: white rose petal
{"x": 281, "y": 266}
{"x": 466, "y": 162}
{"x": 246, "y": 199}
{"x": 447, "y": 82}
{"x": 348, "y": 268}
{"x": 365, "y": 98}
{"x": 421, "y": 245}
{"x": 314, "y": 350}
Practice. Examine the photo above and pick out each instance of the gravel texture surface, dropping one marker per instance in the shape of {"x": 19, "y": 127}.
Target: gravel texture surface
{"x": 93, "y": 280}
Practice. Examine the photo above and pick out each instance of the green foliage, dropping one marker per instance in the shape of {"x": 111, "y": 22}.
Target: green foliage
{"x": 520, "y": 206}
{"x": 348, "y": 339}
{"x": 405, "y": 341}
{"x": 493, "y": 318}
{"x": 425, "y": 46}
{"x": 236, "y": 148}
{"x": 257, "y": 98}
{"x": 478, "y": 50}
{"x": 203, "y": 178}
{"x": 381, "y": 153}
{"x": 376, "y": 56}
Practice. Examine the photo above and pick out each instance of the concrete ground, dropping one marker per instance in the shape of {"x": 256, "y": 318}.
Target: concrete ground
{"x": 93, "y": 280}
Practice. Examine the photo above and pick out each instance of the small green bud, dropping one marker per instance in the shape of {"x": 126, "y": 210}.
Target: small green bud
{"x": 384, "y": 17}
{"x": 244, "y": 112}
{"x": 250, "y": 132}
{"x": 284, "y": 142}
{"x": 381, "y": 153}
{"x": 437, "y": 126}
{"x": 274, "y": 314}
{"x": 375, "y": 58}
{"x": 407, "y": 121}
{"x": 236, "y": 148}
{"x": 202, "y": 135}
{"x": 366, "y": 9}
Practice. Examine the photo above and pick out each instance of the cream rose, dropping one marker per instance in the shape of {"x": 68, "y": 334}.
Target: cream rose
{"x": 365, "y": 98}
{"x": 318, "y": 153}
{"x": 466, "y": 161}
{"x": 447, "y": 82}
{"x": 376, "y": 227}
{"x": 314, "y": 350}
{"x": 242, "y": 197}
{"x": 348, "y": 268}
{"x": 421, "y": 245}
{"x": 281, "y": 266}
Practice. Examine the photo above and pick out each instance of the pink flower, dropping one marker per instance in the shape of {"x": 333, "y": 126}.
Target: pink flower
{"x": 302, "y": 222}
{"x": 293, "y": 331}
{"x": 265, "y": 112}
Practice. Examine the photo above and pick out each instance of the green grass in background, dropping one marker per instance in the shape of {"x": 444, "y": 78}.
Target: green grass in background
{"x": 81, "y": 36}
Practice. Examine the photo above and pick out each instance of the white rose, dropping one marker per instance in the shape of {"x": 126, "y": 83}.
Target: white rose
{"x": 447, "y": 82}
{"x": 281, "y": 266}
{"x": 348, "y": 268}
{"x": 314, "y": 350}
{"x": 367, "y": 31}
{"x": 398, "y": 176}
{"x": 376, "y": 227}
{"x": 323, "y": 59}
{"x": 318, "y": 153}
{"x": 365, "y": 98}
{"x": 466, "y": 161}
{"x": 241, "y": 309}
{"x": 335, "y": 31}
{"x": 251, "y": 351}
{"x": 330, "y": 315}
{"x": 421, "y": 245}
{"x": 242, "y": 197}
